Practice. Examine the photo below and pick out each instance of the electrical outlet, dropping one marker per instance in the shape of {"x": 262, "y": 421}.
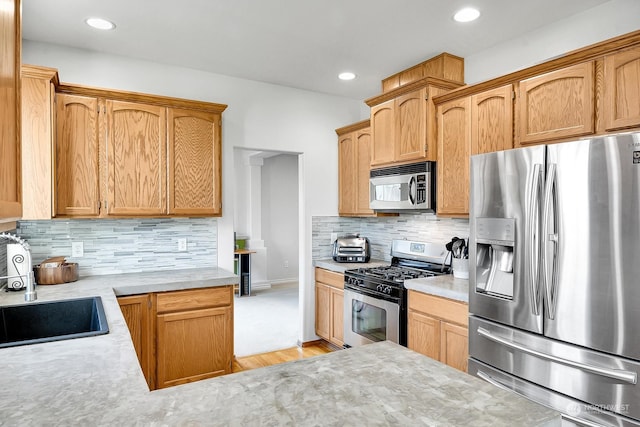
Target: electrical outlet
{"x": 77, "y": 249}
{"x": 182, "y": 244}
{"x": 286, "y": 264}
{"x": 334, "y": 236}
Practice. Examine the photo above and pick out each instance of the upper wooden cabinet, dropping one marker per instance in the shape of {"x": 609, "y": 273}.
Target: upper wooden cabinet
{"x": 556, "y": 105}
{"x": 120, "y": 154}
{"x": 354, "y": 158}
{"x": 38, "y": 124}
{"x": 454, "y": 147}
{"x": 10, "y": 63}
{"x": 492, "y": 120}
{"x": 136, "y": 159}
{"x": 76, "y": 156}
{"x": 403, "y": 123}
{"x": 475, "y": 124}
{"x": 622, "y": 89}
{"x": 443, "y": 66}
{"x": 195, "y": 160}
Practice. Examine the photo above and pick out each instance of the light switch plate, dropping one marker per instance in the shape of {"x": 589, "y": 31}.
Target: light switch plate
{"x": 77, "y": 249}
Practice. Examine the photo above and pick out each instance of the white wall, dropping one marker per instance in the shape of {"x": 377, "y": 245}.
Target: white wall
{"x": 279, "y": 216}
{"x": 605, "y": 21}
{"x": 260, "y": 116}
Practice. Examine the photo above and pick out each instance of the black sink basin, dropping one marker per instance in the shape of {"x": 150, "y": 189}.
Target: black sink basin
{"x": 52, "y": 321}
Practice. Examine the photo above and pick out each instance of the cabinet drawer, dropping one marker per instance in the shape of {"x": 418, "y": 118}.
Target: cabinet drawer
{"x": 445, "y": 309}
{"x": 194, "y": 299}
{"x": 330, "y": 278}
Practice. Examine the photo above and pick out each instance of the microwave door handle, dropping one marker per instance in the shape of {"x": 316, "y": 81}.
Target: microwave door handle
{"x": 412, "y": 190}
{"x": 532, "y": 237}
{"x": 549, "y": 255}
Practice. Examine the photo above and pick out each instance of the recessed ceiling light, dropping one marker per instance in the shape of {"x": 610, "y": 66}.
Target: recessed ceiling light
{"x": 466, "y": 15}
{"x": 347, "y": 75}
{"x": 100, "y": 23}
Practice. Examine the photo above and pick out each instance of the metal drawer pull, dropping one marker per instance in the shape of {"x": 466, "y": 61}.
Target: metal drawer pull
{"x": 580, "y": 421}
{"x": 617, "y": 374}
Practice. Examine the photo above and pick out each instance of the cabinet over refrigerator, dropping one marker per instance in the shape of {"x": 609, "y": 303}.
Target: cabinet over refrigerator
{"x": 554, "y": 297}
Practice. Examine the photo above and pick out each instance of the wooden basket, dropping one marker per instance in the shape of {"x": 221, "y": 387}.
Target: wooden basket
{"x": 65, "y": 273}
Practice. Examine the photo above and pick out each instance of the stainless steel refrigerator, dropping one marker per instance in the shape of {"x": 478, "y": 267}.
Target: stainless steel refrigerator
{"x": 554, "y": 297}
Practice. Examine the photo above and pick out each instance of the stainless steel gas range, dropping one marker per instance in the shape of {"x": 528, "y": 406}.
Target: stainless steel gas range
{"x": 375, "y": 299}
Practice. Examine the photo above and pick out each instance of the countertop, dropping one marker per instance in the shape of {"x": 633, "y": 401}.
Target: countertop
{"x": 97, "y": 381}
{"x": 445, "y": 286}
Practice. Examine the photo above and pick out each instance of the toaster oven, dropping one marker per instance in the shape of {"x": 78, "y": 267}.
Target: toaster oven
{"x": 351, "y": 248}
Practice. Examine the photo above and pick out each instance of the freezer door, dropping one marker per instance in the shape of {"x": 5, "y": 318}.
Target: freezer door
{"x": 591, "y": 244}
{"x": 574, "y": 412}
{"x": 505, "y": 211}
{"x": 598, "y": 379}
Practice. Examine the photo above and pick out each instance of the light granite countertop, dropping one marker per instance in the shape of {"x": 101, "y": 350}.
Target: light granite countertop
{"x": 97, "y": 381}
{"x": 445, "y": 286}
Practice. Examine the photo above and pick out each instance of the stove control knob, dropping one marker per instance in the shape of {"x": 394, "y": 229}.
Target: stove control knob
{"x": 387, "y": 290}
{"x": 379, "y": 288}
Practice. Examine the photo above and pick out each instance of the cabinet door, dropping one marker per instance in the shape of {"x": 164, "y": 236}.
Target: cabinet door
{"x": 136, "y": 159}
{"x": 454, "y": 145}
{"x": 193, "y": 345}
{"x": 622, "y": 89}
{"x": 423, "y": 334}
{"x": 557, "y": 105}
{"x": 337, "y": 317}
{"x": 323, "y": 311}
{"x": 194, "y": 163}
{"x": 454, "y": 346}
{"x": 10, "y": 191}
{"x": 492, "y": 120}
{"x": 383, "y": 133}
{"x": 37, "y": 144}
{"x": 136, "y": 312}
{"x": 77, "y": 138}
{"x": 363, "y": 167}
{"x": 347, "y": 174}
{"x": 411, "y": 126}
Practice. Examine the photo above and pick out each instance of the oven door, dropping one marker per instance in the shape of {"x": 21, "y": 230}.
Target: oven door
{"x": 368, "y": 319}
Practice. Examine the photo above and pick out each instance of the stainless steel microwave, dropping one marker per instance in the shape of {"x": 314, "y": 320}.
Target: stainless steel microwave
{"x": 404, "y": 188}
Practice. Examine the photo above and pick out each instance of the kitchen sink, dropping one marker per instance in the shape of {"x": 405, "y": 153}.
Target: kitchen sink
{"x": 52, "y": 321}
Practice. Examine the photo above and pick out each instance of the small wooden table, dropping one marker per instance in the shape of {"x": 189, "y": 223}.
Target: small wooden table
{"x": 244, "y": 270}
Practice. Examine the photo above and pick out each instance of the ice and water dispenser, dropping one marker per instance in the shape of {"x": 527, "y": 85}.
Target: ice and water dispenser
{"x": 495, "y": 241}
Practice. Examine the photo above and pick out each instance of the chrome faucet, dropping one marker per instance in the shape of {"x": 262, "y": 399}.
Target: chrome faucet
{"x": 30, "y": 292}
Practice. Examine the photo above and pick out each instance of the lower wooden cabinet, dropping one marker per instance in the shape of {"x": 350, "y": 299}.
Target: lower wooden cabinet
{"x": 136, "y": 310}
{"x": 181, "y": 336}
{"x": 438, "y": 328}
{"x": 330, "y": 306}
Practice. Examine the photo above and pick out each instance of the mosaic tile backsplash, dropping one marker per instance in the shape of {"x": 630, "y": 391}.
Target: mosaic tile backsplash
{"x": 381, "y": 231}
{"x": 114, "y": 246}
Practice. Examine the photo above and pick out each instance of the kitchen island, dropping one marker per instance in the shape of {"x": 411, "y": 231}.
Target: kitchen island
{"x": 98, "y": 381}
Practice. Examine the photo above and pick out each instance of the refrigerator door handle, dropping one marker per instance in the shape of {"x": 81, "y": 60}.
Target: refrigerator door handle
{"x": 616, "y": 374}
{"x": 547, "y": 255}
{"x": 580, "y": 421}
{"x": 532, "y": 237}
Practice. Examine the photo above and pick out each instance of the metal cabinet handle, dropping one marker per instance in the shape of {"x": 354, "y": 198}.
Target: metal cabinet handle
{"x": 616, "y": 374}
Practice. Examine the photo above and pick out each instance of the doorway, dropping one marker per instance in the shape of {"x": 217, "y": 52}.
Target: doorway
{"x": 266, "y": 214}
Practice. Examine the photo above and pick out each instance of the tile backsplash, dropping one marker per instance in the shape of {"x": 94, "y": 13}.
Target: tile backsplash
{"x": 381, "y": 231}
{"x": 124, "y": 245}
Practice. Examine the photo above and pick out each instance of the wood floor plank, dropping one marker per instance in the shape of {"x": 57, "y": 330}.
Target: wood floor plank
{"x": 280, "y": 356}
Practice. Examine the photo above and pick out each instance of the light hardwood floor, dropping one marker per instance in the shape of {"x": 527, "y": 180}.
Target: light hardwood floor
{"x": 287, "y": 355}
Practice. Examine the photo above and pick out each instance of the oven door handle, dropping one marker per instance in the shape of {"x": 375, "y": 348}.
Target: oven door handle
{"x": 371, "y": 294}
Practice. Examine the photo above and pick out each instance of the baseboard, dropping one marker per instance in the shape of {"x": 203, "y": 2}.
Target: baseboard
{"x": 318, "y": 342}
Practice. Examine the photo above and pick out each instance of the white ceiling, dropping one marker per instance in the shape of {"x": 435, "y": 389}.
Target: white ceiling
{"x": 298, "y": 43}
